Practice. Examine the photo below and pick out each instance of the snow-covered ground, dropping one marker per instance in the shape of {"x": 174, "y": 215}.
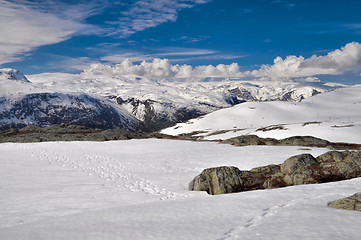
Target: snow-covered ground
{"x": 334, "y": 116}
{"x": 137, "y": 189}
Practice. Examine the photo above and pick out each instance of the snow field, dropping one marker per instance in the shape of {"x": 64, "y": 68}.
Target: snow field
{"x": 334, "y": 116}
{"x": 137, "y": 189}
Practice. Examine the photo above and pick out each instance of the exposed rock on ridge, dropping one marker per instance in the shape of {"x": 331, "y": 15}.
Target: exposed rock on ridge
{"x": 66, "y": 132}
{"x": 300, "y": 169}
{"x": 306, "y": 141}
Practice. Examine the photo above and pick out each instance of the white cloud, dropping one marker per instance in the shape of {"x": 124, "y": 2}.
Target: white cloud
{"x": 27, "y": 25}
{"x": 163, "y": 69}
{"x": 145, "y": 14}
{"x": 292, "y": 67}
{"x": 347, "y": 57}
{"x": 335, "y": 62}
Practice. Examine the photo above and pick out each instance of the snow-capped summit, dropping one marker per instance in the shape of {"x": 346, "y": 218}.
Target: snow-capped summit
{"x": 12, "y": 74}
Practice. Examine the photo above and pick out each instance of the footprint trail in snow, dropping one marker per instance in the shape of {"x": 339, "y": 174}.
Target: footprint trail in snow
{"x": 109, "y": 169}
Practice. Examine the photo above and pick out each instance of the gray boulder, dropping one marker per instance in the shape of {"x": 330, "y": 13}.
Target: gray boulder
{"x": 217, "y": 180}
{"x": 297, "y": 169}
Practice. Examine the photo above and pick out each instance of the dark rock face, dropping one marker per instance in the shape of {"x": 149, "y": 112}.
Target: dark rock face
{"x": 300, "y": 169}
{"x": 242, "y": 94}
{"x": 350, "y": 203}
{"x": 155, "y": 119}
{"x": 289, "y": 96}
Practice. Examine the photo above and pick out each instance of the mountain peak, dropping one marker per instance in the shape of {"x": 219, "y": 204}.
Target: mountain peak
{"x": 12, "y": 74}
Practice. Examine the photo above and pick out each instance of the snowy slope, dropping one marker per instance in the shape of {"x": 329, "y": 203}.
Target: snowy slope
{"x": 137, "y": 189}
{"x": 334, "y": 116}
{"x": 160, "y": 103}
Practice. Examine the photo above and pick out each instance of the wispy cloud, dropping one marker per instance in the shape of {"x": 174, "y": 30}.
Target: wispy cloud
{"x": 146, "y": 14}
{"x": 26, "y": 25}
{"x": 173, "y": 52}
{"x": 189, "y": 39}
{"x": 217, "y": 56}
{"x": 69, "y": 64}
{"x": 178, "y": 51}
{"x": 131, "y": 56}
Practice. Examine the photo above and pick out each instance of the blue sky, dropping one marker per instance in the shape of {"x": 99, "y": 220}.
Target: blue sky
{"x": 66, "y": 36}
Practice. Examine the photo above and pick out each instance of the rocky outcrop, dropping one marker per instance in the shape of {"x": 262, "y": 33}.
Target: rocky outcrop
{"x": 300, "y": 169}
{"x": 246, "y": 140}
{"x": 307, "y": 141}
{"x": 66, "y": 132}
{"x": 350, "y": 203}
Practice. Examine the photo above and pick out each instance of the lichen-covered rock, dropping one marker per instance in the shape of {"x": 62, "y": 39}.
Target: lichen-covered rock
{"x": 218, "y": 180}
{"x": 304, "y": 141}
{"x": 266, "y": 170}
{"x": 350, "y": 203}
{"x": 246, "y": 140}
{"x": 353, "y": 162}
{"x": 297, "y": 169}
{"x": 336, "y": 165}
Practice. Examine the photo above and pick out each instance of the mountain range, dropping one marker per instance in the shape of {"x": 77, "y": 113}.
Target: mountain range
{"x": 102, "y": 99}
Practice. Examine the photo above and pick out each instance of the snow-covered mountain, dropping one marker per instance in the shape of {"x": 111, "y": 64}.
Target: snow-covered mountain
{"x": 334, "y": 116}
{"x": 44, "y": 109}
{"x": 146, "y": 103}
